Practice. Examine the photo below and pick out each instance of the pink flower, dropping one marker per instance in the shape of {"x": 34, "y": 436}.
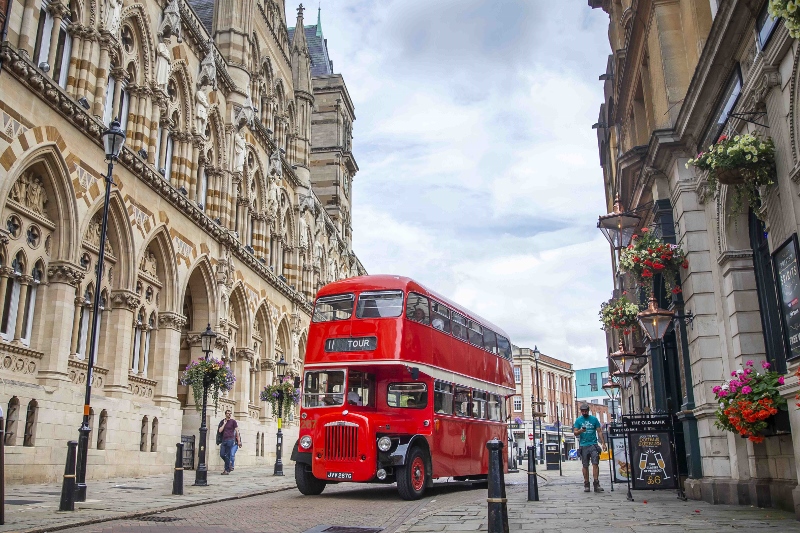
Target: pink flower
{"x": 746, "y": 390}
{"x": 735, "y": 383}
{"x": 733, "y": 373}
{"x": 717, "y": 389}
{"x": 780, "y": 380}
{"x": 749, "y": 362}
{"x": 722, "y": 393}
{"x": 748, "y": 370}
{"x": 765, "y": 365}
{"x": 733, "y": 389}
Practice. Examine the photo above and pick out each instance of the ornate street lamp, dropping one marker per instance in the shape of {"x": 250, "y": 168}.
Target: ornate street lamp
{"x": 201, "y": 475}
{"x": 618, "y": 226}
{"x": 280, "y": 368}
{"x": 654, "y": 320}
{"x": 113, "y": 140}
{"x": 536, "y": 355}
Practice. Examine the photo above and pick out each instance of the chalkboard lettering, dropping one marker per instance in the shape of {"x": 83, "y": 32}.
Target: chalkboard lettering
{"x": 651, "y": 459}
{"x": 786, "y": 273}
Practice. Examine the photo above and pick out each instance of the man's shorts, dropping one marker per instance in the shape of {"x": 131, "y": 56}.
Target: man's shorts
{"x": 590, "y": 452}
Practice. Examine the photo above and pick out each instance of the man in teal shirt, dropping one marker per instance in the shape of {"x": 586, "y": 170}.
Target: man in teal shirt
{"x": 587, "y": 429}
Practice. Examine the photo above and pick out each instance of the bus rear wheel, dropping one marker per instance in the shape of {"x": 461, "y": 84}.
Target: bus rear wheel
{"x": 307, "y": 484}
{"x": 412, "y": 476}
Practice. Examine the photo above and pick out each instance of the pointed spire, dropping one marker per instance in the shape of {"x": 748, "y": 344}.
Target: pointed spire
{"x": 319, "y": 21}
{"x": 299, "y": 39}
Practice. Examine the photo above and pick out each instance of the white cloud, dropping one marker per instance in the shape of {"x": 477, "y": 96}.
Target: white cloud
{"x": 479, "y": 170}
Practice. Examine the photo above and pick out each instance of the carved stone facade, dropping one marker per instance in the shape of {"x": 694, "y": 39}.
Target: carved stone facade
{"x": 682, "y": 73}
{"x": 204, "y": 224}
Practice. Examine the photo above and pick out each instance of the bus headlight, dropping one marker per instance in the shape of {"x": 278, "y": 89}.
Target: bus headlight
{"x": 305, "y": 442}
{"x": 384, "y": 443}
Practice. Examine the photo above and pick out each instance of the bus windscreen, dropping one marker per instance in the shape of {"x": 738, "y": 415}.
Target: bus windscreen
{"x": 330, "y": 308}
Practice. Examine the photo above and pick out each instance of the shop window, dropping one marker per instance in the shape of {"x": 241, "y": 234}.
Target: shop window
{"x": 30, "y": 424}
{"x": 11, "y": 422}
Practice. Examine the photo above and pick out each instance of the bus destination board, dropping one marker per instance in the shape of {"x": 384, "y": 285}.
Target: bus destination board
{"x": 351, "y": 344}
{"x": 651, "y": 459}
{"x": 785, "y": 263}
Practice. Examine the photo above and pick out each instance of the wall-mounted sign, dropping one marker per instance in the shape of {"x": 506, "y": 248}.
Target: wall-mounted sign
{"x": 784, "y": 261}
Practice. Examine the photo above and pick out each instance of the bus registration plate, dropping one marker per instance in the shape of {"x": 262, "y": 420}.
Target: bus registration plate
{"x": 351, "y": 344}
{"x": 340, "y": 475}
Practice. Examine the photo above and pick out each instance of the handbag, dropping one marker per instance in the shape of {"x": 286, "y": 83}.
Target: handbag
{"x": 219, "y": 438}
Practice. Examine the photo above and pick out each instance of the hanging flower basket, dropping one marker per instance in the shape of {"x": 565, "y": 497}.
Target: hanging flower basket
{"x": 748, "y": 401}
{"x": 291, "y": 396}
{"x": 647, "y": 255}
{"x": 789, "y": 12}
{"x": 744, "y": 162}
{"x": 211, "y": 373}
{"x": 620, "y": 314}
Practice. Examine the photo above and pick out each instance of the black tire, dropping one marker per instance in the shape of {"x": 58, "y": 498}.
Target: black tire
{"x": 307, "y": 484}
{"x": 412, "y": 476}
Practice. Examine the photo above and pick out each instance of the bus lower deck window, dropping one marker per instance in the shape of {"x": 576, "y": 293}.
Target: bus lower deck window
{"x": 442, "y": 398}
{"x": 408, "y": 395}
{"x": 324, "y": 388}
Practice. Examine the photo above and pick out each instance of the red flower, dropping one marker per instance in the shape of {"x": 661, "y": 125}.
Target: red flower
{"x": 636, "y": 259}
{"x": 645, "y": 230}
{"x": 722, "y": 138}
{"x": 648, "y": 262}
{"x": 685, "y": 263}
{"x": 676, "y": 290}
{"x": 658, "y": 266}
{"x": 646, "y": 273}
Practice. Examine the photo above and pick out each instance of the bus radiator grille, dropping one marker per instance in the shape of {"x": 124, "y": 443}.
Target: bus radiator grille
{"x": 341, "y": 442}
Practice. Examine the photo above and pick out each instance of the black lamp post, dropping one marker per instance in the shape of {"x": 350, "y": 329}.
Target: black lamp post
{"x": 280, "y": 367}
{"x": 201, "y": 474}
{"x": 536, "y": 355}
{"x": 113, "y": 139}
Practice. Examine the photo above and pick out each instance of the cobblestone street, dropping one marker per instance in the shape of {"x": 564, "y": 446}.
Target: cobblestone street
{"x": 275, "y": 506}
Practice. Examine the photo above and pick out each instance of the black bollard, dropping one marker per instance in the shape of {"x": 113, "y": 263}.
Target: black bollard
{"x": 177, "y": 479}
{"x": 498, "y": 511}
{"x": 68, "y": 487}
{"x": 533, "y": 480}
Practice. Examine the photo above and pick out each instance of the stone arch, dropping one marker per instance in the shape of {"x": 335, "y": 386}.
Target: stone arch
{"x": 217, "y": 140}
{"x": 47, "y": 158}
{"x": 201, "y": 291}
{"x": 119, "y": 236}
{"x": 302, "y": 345}
{"x": 180, "y": 75}
{"x": 136, "y": 16}
{"x": 732, "y": 232}
{"x": 161, "y": 246}
{"x": 283, "y": 339}
{"x": 239, "y": 312}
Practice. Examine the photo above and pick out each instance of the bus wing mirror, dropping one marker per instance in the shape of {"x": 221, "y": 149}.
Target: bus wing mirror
{"x": 414, "y": 373}
{"x": 297, "y": 382}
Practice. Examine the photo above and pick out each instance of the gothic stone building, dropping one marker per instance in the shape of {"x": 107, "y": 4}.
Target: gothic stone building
{"x": 230, "y": 207}
{"x": 681, "y": 73}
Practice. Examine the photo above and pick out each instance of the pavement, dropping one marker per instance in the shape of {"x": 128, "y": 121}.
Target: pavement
{"x": 563, "y": 506}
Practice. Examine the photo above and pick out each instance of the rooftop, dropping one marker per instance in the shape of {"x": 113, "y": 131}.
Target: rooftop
{"x": 321, "y": 65}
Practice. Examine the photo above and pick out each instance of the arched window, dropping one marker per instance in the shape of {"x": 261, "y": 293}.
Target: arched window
{"x": 154, "y": 435}
{"x": 11, "y": 422}
{"x": 138, "y": 341}
{"x": 262, "y": 445}
{"x": 102, "y": 428}
{"x": 53, "y": 43}
{"x": 143, "y": 436}
{"x": 83, "y": 324}
{"x": 30, "y": 424}
{"x": 258, "y": 442}
{"x": 11, "y": 303}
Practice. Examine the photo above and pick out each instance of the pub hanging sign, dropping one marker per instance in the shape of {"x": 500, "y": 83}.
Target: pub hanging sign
{"x": 785, "y": 265}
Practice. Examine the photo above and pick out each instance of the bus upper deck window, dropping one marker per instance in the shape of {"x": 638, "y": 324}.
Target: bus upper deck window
{"x": 460, "y": 327}
{"x": 417, "y": 308}
{"x": 379, "y": 304}
{"x": 330, "y": 308}
{"x": 440, "y": 317}
{"x": 504, "y": 347}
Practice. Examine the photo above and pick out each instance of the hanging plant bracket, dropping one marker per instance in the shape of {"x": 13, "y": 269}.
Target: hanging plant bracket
{"x": 744, "y": 115}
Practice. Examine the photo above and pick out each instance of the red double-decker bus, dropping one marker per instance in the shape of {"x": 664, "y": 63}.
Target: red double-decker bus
{"x": 400, "y": 385}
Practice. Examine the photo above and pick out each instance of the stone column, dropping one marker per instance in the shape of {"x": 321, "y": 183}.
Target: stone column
{"x": 76, "y": 32}
{"x": 193, "y": 177}
{"x": 102, "y": 77}
{"x": 196, "y": 189}
{"x": 76, "y": 326}
{"x": 155, "y": 116}
{"x": 162, "y": 150}
{"x": 120, "y": 326}
{"x": 22, "y": 309}
{"x": 165, "y": 360}
{"x": 119, "y": 79}
{"x": 27, "y": 32}
{"x": 63, "y": 279}
{"x": 58, "y": 11}
{"x": 5, "y": 273}
{"x": 241, "y": 367}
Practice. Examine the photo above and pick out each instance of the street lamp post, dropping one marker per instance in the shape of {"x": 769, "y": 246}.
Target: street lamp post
{"x": 113, "y": 139}
{"x": 536, "y": 355}
{"x": 281, "y": 373}
{"x": 201, "y": 475}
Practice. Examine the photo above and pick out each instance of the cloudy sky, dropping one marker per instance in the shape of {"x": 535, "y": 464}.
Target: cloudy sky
{"x": 479, "y": 175}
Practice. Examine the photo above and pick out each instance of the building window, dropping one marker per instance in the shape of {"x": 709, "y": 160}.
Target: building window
{"x": 143, "y": 436}
{"x": 154, "y": 436}
{"x": 63, "y": 45}
{"x": 517, "y": 375}
{"x": 102, "y": 427}
{"x": 11, "y": 422}
{"x": 593, "y": 381}
{"x": 765, "y": 26}
{"x": 258, "y": 442}
{"x": 262, "y": 445}
{"x": 517, "y": 404}
{"x": 725, "y": 106}
{"x": 30, "y": 424}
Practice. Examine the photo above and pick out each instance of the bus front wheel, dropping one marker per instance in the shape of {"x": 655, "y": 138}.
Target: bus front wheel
{"x": 307, "y": 484}
{"x": 412, "y": 476}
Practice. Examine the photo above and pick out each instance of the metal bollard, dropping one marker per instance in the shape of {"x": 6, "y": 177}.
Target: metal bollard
{"x": 498, "y": 511}
{"x": 68, "y": 487}
{"x": 177, "y": 479}
{"x": 533, "y": 478}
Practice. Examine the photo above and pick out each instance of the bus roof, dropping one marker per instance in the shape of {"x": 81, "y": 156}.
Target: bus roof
{"x": 390, "y": 282}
